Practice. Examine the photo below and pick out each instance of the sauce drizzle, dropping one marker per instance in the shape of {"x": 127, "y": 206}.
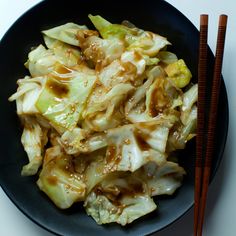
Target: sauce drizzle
{"x": 58, "y": 88}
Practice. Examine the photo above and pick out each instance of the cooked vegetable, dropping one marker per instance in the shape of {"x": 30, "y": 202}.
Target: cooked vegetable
{"x": 103, "y": 114}
{"x": 179, "y": 73}
{"x": 129, "y": 147}
{"x": 145, "y": 42}
{"x": 102, "y": 51}
{"x": 59, "y": 180}
{"x": 163, "y": 179}
{"x": 167, "y": 57}
{"x": 64, "y": 96}
{"x": 65, "y": 54}
{"x": 119, "y": 199}
{"x": 66, "y": 33}
{"x": 33, "y": 138}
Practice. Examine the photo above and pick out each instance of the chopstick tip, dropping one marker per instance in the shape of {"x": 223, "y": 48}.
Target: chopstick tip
{"x": 204, "y": 19}
{"x": 223, "y": 20}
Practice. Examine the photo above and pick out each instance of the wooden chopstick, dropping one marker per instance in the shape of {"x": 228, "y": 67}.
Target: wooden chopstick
{"x": 202, "y": 68}
{"x": 212, "y": 118}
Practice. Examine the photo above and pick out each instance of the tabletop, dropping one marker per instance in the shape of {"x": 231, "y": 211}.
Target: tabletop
{"x": 221, "y": 207}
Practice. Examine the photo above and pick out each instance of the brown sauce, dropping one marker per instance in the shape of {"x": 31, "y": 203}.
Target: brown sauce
{"x": 148, "y": 126}
{"x": 129, "y": 69}
{"x": 141, "y": 139}
{"x": 111, "y": 154}
{"x": 133, "y": 190}
{"x": 137, "y": 56}
{"x": 137, "y": 188}
{"x": 172, "y": 112}
{"x": 159, "y": 99}
{"x": 118, "y": 193}
{"x": 68, "y": 165}
{"x": 52, "y": 180}
{"x": 58, "y": 88}
{"x": 61, "y": 69}
{"x": 99, "y": 66}
{"x": 83, "y": 34}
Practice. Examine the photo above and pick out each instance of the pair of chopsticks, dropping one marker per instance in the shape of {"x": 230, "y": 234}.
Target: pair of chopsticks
{"x": 204, "y": 156}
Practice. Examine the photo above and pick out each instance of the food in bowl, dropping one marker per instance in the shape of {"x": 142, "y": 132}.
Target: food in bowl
{"x": 104, "y": 112}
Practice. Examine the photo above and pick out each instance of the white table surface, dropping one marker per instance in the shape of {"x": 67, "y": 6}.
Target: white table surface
{"x": 221, "y": 207}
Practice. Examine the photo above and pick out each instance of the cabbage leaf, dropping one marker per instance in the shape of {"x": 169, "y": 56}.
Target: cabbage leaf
{"x": 120, "y": 199}
{"x": 129, "y": 147}
{"x": 33, "y": 138}
{"x": 145, "y": 42}
{"x": 66, "y": 33}
{"x": 163, "y": 179}
{"x": 64, "y": 97}
{"x": 59, "y": 180}
{"x": 179, "y": 73}
{"x": 27, "y": 94}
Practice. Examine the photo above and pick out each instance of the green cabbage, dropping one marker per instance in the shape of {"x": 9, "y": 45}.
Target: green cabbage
{"x": 27, "y": 94}
{"x": 66, "y": 33}
{"x": 79, "y": 140}
{"x": 140, "y": 92}
{"x": 108, "y": 30}
{"x": 183, "y": 132}
{"x": 167, "y": 57}
{"x": 145, "y": 42}
{"x": 136, "y": 59}
{"x": 65, "y": 54}
{"x": 64, "y": 97}
{"x": 179, "y": 73}
{"x": 160, "y": 96}
{"x": 114, "y": 97}
{"x": 120, "y": 200}
{"x": 33, "y": 138}
{"x": 189, "y": 99}
{"x": 103, "y": 121}
{"x": 102, "y": 51}
{"x": 164, "y": 179}
{"x": 41, "y": 61}
{"x": 58, "y": 179}
{"x": 129, "y": 147}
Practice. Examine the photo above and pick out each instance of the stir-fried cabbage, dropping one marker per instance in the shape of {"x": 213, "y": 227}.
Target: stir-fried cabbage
{"x": 130, "y": 147}
{"x": 65, "y": 54}
{"x": 64, "y": 96}
{"x": 102, "y": 51}
{"x": 40, "y": 61}
{"x": 145, "y": 42}
{"x": 59, "y": 180}
{"x": 80, "y": 141}
{"x": 167, "y": 57}
{"x": 28, "y": 92}
{"x": 179, "y": 73}
{"x": 163, "y": 179}
{"x": 33, "y": 138}
{"x": 119, "y": 199}
{"x": 104, "y": 112}
{"x": 67, "y": 33}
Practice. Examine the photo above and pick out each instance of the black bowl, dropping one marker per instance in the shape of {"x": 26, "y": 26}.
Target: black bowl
{"x": 157, "y": 16}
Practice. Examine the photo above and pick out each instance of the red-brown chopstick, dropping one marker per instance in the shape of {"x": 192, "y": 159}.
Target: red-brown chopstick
{"x": 202, "y": 69}
{"x": 212, "y": 118}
